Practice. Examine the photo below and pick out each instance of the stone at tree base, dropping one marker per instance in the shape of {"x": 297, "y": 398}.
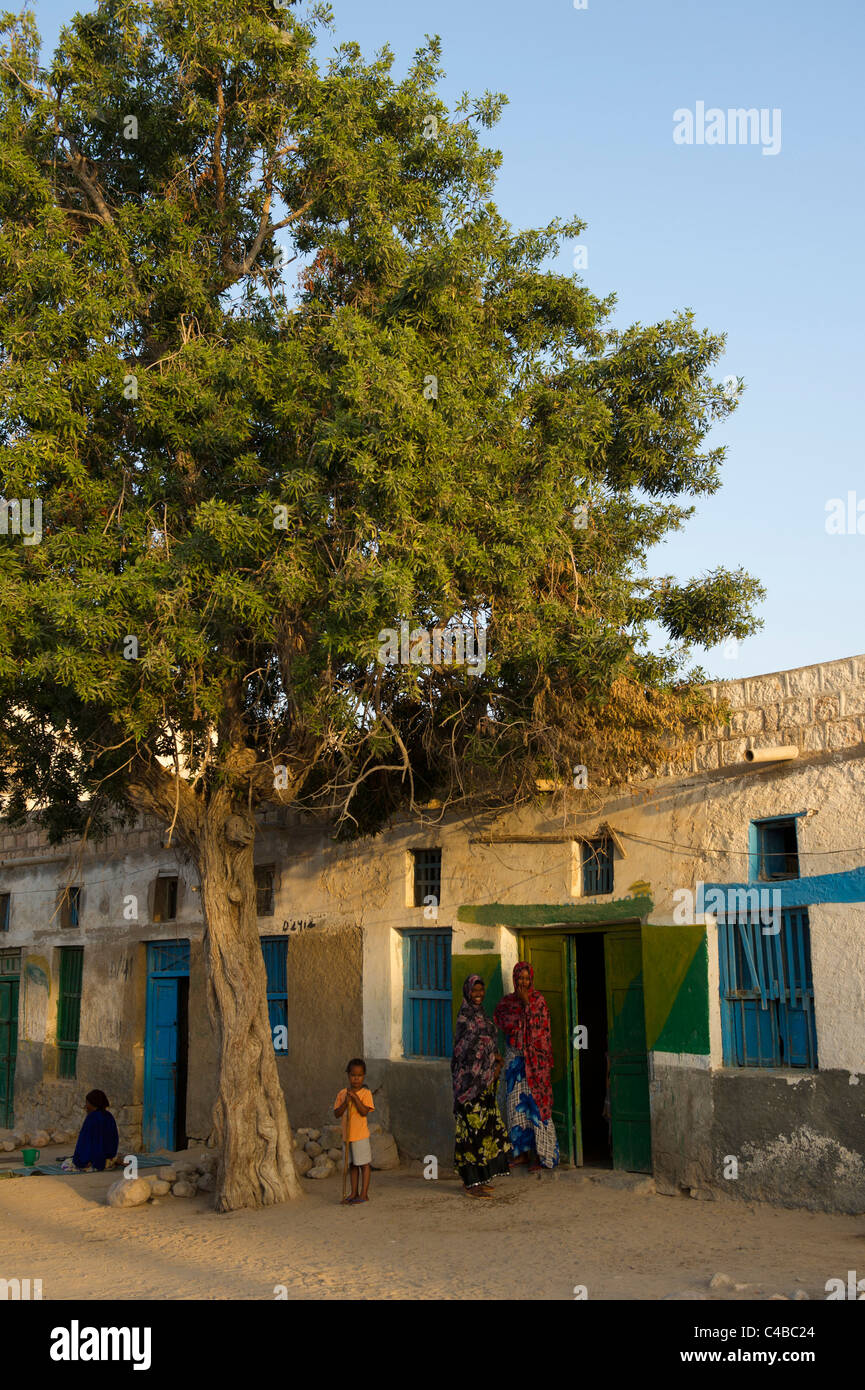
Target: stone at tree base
{"x": 183, "y": 1189}
{"x": 334, "y": 1155}
{"x": 384, "y": 1151}
{"x": 312, "y": 1148}
{"x": 169, "y": 1175}
{"x": 314, "y": 1133}
{"x": 208, "y": 1163}
{"x": 206, "y": 1183}
{"x": 41, "y": 1139}
{"x": 7, "y": 1146}
{"x": 302, "y": 1162}
{"x": 323, "y": 1168}
{"x": 129, "y": 1192}
{"x": 160, "y": 1188}
{"x": 331, "y": 1137}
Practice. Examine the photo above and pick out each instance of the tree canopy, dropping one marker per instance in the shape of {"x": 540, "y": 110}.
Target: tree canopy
{"x": 281, "y": 376}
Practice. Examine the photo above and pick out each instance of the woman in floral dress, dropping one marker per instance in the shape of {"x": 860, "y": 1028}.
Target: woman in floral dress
{"x": 525, "y": 1021}
{"x": 481, "y": 1147}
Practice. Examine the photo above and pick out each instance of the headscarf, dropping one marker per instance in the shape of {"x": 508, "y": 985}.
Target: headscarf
{"x": 527, "y": 1029}
{"x": 474, "y": 1055}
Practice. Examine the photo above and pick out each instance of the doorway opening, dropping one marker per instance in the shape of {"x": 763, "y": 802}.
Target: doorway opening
{"x": 593, "y": 1113}
{"x": 592, "y": 980}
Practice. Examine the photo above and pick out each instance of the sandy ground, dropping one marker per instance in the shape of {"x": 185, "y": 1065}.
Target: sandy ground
{"x": 417, "y": 1239}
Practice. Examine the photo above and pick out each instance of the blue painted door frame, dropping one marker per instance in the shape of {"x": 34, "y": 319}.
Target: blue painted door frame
{"x": 167, "y": 969}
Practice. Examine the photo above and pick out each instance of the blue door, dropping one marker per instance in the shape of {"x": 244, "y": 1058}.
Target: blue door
{"x": 165, "y": 1045}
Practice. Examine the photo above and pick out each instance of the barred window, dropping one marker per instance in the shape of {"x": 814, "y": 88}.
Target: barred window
{"x": 264, "y": 895}
{"x": 767, "y": 992}
{"x": 597, "y": 866}
{"x": 427, "y": 876}
{"x": 5, "y": 910}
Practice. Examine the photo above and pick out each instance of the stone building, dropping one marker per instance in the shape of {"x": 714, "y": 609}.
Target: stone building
{"x": 700, "y": 937}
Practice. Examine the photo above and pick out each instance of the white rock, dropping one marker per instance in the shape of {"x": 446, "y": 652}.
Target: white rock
{"x": 41, "y": 1139}
{"x": 722, "y": 1281}
{"x": 302, "y": 1162}
{"x": 335, "y": 1155}
{"x": 331, "y": 1137}
{"x": 7, "y": 1146}
{"x": 183, "y": 1189}
{"x": 131, "y": 1192}
{"x": 312, "y": 1148}
{"x": 384, "y": 1151}
{"x": 314, "y": 1133}
{"x": 159, "y": 1188}
{"x": 169, "y": 1175}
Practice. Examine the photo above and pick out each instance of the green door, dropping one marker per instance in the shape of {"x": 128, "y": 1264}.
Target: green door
{"x": 8, "y": 1049}
{"x": 549, "y": 957}
{"x": 629, "y": 1067}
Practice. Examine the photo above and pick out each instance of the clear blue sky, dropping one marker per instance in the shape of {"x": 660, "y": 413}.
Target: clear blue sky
{"x": 768, "y": 249}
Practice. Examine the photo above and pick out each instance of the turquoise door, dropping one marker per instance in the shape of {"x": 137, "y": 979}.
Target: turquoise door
{"x": 165, "y": 1044}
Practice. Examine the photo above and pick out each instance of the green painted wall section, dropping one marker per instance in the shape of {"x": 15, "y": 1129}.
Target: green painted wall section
{"x": 676, "y": 985}
{"x": 544, "y": 914}
{"x": 489, "y": 967}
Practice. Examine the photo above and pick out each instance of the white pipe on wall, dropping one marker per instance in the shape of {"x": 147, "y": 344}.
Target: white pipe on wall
{"x": 780, "y": 754}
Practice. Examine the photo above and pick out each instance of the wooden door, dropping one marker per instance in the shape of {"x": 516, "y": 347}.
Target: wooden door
{"x": 629, "y": 1067}
{"x": 549, "y": 956}
{"x": 8, "y": 1049}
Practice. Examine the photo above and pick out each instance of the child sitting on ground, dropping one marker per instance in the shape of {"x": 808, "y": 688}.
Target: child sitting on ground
{"x": 357, "y": 1101}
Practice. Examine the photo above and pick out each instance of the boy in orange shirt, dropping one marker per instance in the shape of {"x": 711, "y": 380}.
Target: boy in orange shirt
{"x": 357, "y": 1101}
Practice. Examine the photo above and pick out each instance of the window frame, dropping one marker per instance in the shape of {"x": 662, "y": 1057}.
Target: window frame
{"x": 5, "y": 911}
{"x": 590, "y": 859}
{"x": 423, "y": 883}
{"x": 757, "y": 853}
{"x": 265, "y": 869}
{"x": 439, "y": 1025}
{"x": 158, "y": 914}
{"x": 767, "y": 1009}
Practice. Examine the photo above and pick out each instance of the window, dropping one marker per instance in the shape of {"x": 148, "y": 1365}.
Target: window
{"x": 777, "y": 851}
{"x": 427, "y": 1022}
{"x": 5, "y": 910}
{"x": 767, "y": 993}
{"x": 10, "y": 962}
{"x": 427, "y": 877}
{"x": 597, "y": 867}
{"x": 165, "y": 899}
{"x": 69, "y": 1008}
{"x": 70, "y": 907}
{"x": 264, "y": 875}
{"x": 275, "y": 952}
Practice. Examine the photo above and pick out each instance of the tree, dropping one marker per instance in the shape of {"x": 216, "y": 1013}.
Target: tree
{"x": 246, "y": 482}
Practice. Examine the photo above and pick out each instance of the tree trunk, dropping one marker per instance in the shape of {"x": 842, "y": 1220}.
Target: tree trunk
{"x": 256, "y": 1168}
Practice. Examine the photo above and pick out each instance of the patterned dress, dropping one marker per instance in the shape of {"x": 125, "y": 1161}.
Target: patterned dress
{"x": 526, "y": 1130}
{"x": 481, "y": 1145}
